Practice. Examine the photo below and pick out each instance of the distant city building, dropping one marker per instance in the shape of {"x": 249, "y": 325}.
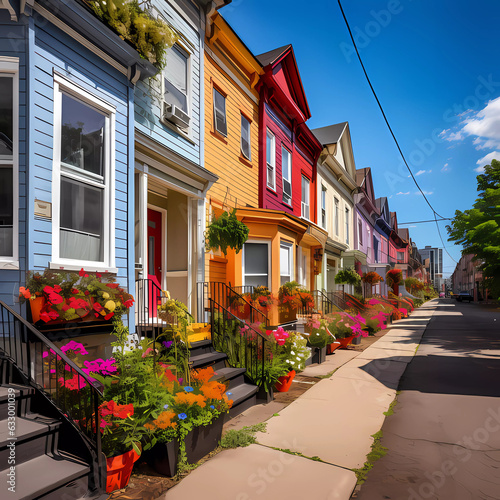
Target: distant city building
{"x": 435, "y": 265}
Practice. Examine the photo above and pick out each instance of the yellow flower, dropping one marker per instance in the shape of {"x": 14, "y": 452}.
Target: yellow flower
{"x": 110, "y": 305}
{"x": 105, "y": 295}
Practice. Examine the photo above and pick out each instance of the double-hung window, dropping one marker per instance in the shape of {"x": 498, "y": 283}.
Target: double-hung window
{"x": 175, "y": 78}
{"x": 286, "y": 262}
{"x": 305, "y": 198}
{"x": 271, "y": 160}
{"x": 220, "y": 122}
{"x": 360, "y": 232}
{"x": 256, "y": 264}
{"x": 245, "y": 138}
{"x": 323, "y": 207}
{"x": 9, "y": 129}
{"x": 84, "y": 129}
{"x": 286, "y": 172}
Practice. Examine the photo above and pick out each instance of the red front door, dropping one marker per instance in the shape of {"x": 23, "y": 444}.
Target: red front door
{"x": 154, "y": 244}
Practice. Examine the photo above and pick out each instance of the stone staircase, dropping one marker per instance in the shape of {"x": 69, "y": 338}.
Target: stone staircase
{"x": 32, "y": 441}
{"x": 241, "y": 391}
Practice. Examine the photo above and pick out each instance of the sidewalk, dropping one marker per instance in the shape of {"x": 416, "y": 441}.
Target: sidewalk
{"x": 332, "y": 423}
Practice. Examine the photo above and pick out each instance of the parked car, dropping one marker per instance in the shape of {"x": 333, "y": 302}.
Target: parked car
{"x": 464, "y": 296}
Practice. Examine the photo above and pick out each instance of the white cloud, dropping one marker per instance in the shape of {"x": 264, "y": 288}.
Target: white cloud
{"x": 420, "y": 172}
{"x": 446, "y": 168}
{"x": 485, "y": 123}
{"x": 412, "y": 226}
{"x": 402, "y": 193}
{"x": 427, "y": 193}
{"x": 486, "y": 160}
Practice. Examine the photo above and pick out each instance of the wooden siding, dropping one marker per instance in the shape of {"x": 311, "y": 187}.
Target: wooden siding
{"x": 148, "y": 98}
{"x": 13, "y": 44}
{"x": 238, "y": 177}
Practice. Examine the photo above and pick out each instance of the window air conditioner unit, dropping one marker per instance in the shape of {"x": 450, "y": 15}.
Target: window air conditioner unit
{"x": 175, "y": 115}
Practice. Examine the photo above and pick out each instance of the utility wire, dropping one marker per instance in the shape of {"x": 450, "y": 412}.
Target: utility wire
{"x": 441, "y": 238}
{"x": 383, "y": 113}
{"x": 421, "y": 221}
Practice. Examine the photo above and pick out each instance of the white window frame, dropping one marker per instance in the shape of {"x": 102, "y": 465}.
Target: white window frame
{"x": 214, "y": 90}
{"x": 323, "y": 206}
{"x": 289, "y": 248}
{"x": 62, "y": 85}
{"x": 337, "y": 216}
{"x": 182, "y": 49}
{"x": 269, "y": 269}
{"x": 347, "y": 217}
{"x": 283, "y": 178}
{"x": 271, "y": 167}
{"x": 248, "y": 138}
{"x": 9, "y": 66}
{"x": 305, "y": 207}
{"x": 360, "y": 232}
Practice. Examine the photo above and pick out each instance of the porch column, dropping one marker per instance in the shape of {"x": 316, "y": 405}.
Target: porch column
{"x": 143, "y": 222}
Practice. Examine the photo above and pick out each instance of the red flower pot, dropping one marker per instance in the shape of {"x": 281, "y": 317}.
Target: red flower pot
{"x": 333, "y": 347}
{"x": 345, "y": 342}
{"x": 36, "y": 308}
{"x": 284, "y": 383}
{"x": 119, "y": 470}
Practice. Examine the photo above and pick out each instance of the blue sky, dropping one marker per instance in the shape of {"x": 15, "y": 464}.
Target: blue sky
{"x": 434, "y": 66}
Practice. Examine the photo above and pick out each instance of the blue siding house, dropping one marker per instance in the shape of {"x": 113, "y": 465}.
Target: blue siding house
{"x": 171, "y": 181}
{"x": 66, "y": 143}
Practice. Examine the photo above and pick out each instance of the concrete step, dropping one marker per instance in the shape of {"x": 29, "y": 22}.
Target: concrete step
{"x": 243, "y": 396}
{"x": 22, "y": 397}
{"x": 27, "y": 438}
{"x": 200, "y": 347}
{"x": 47, "y": 478}
{"x": 213, "y": 358}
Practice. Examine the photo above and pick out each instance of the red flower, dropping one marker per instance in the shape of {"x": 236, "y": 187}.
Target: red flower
{"x": 57, "y": 288}
{"x": 83, "y": 273}
{"x": 48, "y": 289}
{"x": 112, "y": 285}
{"x": 48, "y": 316}
{"x": 74, "y": 291}
{"x": 55, "y": 298}
{"x": 65, "y": 307}
{"x": 109, "y": 316}
{"x": 98, "y": 307}
{"x": 129, "y": 303}
{"x": 86, "y": 292}
{"x": 98, "y": 275}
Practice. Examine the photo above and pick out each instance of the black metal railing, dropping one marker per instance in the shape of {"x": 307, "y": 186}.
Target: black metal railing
{"x": 148, "y": 297}
{"x": 246, "y": 345}
{"x": 228, "y": 298}
{"x": 45, "y": 367}
{"x": 337, "y": 297}
{"x": 243, "y": 289}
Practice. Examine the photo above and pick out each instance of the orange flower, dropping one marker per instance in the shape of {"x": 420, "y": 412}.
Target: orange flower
{"x": 203, "y": 375}
{"x": 213, "y": 390}
{"x": 190, "y": 399}
{"x": 164, "y": 420}
{"x": 24, "y": 292}
{"x": 227, "y": 400}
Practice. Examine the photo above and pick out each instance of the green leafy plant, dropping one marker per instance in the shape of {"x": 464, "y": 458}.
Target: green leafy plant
{"x": 151, "y": 37}
{"x": 226, "y": 231}
{"x": 319, "y": 335}
{"x": 242, "y": 437}
{"x": 347, "y": 276}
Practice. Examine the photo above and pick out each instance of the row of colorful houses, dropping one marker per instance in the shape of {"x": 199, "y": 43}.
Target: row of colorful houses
{"x": 109, "y": 165}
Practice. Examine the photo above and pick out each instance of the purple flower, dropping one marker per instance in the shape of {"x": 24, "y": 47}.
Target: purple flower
{"x": 168, "y": 344}
{"x": 165, "y": 407}
{"x": 182, "y": 416}
{"x": 180, "y": 380}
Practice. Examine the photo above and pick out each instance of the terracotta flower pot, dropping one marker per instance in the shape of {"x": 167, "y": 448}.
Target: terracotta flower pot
{"x": 119, "y": 470}
{"x": 283, "y": 384}
{"x": 36, "y": 308}
{"x": 345, "y": 342}
{"x": 330, "y": 348}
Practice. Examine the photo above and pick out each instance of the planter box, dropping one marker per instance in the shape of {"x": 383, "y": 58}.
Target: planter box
{"x": 331, "y": 348}
{"x": 286, "y": 314}
{"x": 317, "y": 356}
{"x": 356, "y": 340}
{"x": 283, "y": 384}
{"x": 264, "y": 396}
{"x": 345, "y": 342}
{"x": 199, "y": 442}
{"x": 119, "y": 470}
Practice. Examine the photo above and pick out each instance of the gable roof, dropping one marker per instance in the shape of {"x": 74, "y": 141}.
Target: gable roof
{"x": 282, "y": 73}
{"x": 330, "y": 134}
{"x": 270, "y": 57}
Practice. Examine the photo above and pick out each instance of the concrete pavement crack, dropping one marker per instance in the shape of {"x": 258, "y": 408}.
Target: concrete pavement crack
{"x": 443, "y": 443}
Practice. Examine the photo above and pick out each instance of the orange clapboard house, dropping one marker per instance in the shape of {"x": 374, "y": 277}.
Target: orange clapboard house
{"x": 231, "y": 131}
{"x": 283, "y": 242}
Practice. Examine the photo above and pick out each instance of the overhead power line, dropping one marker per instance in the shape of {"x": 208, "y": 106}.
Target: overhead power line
{"x": 421, "y": 221}
{"x": 383, "y": 112}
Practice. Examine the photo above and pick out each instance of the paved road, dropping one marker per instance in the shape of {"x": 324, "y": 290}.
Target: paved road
{"x": 444, "y": 436}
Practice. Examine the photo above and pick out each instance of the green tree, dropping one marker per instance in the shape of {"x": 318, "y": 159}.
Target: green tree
{"x": 478, "y": 229}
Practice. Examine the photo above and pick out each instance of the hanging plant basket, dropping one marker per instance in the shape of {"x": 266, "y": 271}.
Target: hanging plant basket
{"x": 226, "y": 231}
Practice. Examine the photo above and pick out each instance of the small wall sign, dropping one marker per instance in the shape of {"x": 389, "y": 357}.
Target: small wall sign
{"x": 43, "y": 209}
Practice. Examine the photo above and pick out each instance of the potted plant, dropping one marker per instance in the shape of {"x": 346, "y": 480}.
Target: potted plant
{"x": 292, "y": 297}
{"x": 318, "y": 337}
{"x": 262, "y": 299}
{"x": 293, "y": 352}
{"x": 58, "y": 297}
{"x": 226, "y": 231}
{"x": 393, "y": 278}
{"x": 372, "y": 278}
{"x": 347, "y": 276}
